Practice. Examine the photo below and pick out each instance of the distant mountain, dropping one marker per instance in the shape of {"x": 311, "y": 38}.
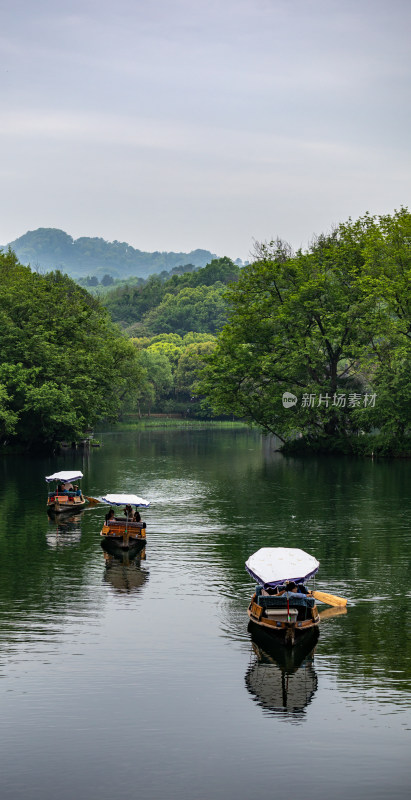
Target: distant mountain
{"x": 47, "y": 249}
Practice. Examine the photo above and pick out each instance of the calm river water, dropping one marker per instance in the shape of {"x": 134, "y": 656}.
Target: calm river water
{"x": 139, "y": 678}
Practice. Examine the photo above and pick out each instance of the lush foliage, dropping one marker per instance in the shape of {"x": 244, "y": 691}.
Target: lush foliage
{"x": 170, "y": 366}
{"x": 192, "y": 301}
{"x": 64, "y": 366}
{"x": 107, "y": 283}
{"x": 330, "y": 326}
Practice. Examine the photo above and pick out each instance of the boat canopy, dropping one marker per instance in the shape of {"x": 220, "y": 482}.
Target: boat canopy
{"x": 271, "y": 566}
{"x": 64, "y": 476}
{"x": 124, "y": 500}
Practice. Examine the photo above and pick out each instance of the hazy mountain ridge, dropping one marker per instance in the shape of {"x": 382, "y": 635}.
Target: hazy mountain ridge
{"x": 48, "y": 249}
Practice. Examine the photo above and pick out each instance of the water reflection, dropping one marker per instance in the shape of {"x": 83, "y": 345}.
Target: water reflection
{"x": 334, "y": 611}
{"x": 282, "y": 680}
{"x": 64, "y": 531}
{"x": 123, "y": 569}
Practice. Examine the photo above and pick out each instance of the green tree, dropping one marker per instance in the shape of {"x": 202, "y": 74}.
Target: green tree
{"x": 130, "y": 305}
{"x": 158, "y": 379}
{"x": 309, "y": 324}
{"x": 191, "y": 360}
{"x": 201, "y": 309}
{"x": 64, "y": 365}
{"x": 388, "y": 280}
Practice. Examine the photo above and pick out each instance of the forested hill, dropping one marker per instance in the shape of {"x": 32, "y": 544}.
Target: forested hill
{"x": 49, "y": 249}
{"x": 193, "y": 301}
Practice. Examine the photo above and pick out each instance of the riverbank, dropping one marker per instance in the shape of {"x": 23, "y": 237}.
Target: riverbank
{"x": 367, "y": 445}
{"x": 165, "y": 421}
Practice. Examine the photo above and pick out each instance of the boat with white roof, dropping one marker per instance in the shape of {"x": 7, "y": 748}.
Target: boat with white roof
{"x": 67, "y": 496}
{"x": 281, "y": 604}
{"x": 126, "y": 531}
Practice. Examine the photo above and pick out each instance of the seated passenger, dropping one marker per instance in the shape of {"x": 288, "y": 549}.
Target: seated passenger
{"x": 110, "y": 516}
{"x": 136, "y": 517}
{"x": 297, "y": 587}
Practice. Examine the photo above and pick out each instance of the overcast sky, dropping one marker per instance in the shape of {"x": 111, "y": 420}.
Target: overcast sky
{"x": 176, "y": 124}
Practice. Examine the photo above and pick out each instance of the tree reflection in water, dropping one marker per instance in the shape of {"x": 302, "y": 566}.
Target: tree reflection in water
{"x": 282, "y": 680}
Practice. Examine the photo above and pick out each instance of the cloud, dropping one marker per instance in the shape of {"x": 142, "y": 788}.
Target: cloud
{"x": 209, "y": 116}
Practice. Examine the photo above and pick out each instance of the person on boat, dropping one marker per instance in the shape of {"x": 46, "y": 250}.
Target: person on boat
{"x": 110, "y": 515}
{"x": 290, "y": 586}
{"x": 128, "y": 511}
{"x": 296, "y": 587}
{"x": 136, "y": 517}
{"x": 68, "y": 487}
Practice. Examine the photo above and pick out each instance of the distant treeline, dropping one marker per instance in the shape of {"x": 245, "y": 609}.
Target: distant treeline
{"x": 100, "y": 286}
{"x": 50, "y": 248}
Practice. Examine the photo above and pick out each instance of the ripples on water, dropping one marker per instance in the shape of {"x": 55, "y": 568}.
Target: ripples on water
{"x": 141, "y": 671}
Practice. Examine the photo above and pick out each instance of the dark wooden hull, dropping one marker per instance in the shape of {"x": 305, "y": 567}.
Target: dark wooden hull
{"x": 124, "y": 536}
{"x": 288, "y": 632}
{"x": 288, "y": 658}
{"x": 111, "y": 549}
{"x": 66, "y": 506}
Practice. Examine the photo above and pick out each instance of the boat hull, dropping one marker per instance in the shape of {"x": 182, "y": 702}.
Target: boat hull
{"x": 65, "y": 505}
{"x": 124, "y": 536}
{"x": 285, "y": 627}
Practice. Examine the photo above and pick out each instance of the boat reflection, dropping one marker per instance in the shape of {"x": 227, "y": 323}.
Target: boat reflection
{"x": 123, "y": 569}
{"x": 282, "y": 680}
{"x": 64, "y": 531}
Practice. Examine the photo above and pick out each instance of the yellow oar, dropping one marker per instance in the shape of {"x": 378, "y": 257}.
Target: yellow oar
{"x": 329, "y": 599}
{"x": 92, "y": 500}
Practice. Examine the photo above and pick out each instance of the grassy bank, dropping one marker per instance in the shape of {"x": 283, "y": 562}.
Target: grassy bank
{"x": 174, "y": 423}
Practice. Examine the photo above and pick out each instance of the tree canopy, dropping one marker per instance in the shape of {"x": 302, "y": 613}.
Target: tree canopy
{"x": 64, "y": 365}
{"x": 192, "y": 301}
{"x": 170, "y": 368}
{"x": 331, "y": 327}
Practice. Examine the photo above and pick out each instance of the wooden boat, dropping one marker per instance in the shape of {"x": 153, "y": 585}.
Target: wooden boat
{"x": 67, "y": 497}
{"x": 281, "y": 604}
{"x": 122, "y": 531}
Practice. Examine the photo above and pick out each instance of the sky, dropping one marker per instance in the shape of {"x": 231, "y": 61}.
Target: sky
{"x": 178, "y": 124}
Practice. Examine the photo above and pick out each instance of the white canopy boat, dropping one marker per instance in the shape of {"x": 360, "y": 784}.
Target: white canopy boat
{"x": 282, "y": 605}
{"x": 67, "y": 496}
{"x": 127, "y": 531}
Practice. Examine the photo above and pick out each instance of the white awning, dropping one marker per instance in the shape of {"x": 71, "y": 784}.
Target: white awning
{"x": 271, "y": 566}
{"x": 64, "y": 476}
{"x": 124, "y": 500}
